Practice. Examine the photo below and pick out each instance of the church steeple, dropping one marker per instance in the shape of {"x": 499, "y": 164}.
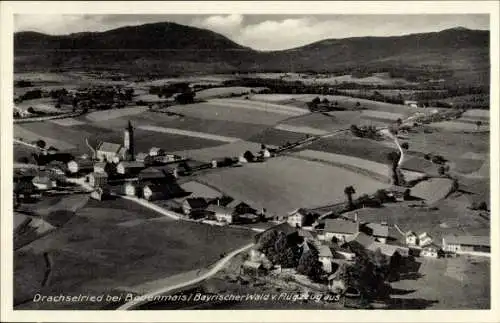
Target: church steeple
{"x": 128, "y": 140}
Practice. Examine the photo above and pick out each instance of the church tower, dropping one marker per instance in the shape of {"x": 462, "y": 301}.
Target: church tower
{"x": 128, "y": 141}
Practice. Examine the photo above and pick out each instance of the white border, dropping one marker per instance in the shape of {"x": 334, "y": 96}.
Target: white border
{"x": 7, "y": 10}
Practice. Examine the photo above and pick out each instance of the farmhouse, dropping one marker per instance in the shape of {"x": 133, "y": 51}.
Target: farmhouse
{"x": 463, "y": 244}
{"x": 301, "y": 217}
{"x": 141, "y": 157}
{"x": 221, "y": 213}
{"x": 97, "y": 179}
{"x": 194, "y": 205}
{"x": 380, "y": 231}
{"x": 241, "y": 207}
{"x": 129, "y": 167}
{"x": 341, "y": 229}
{"x": 252, "y": 268}
{"x": 160, "y": 191}
{"x": 389, "y": 250}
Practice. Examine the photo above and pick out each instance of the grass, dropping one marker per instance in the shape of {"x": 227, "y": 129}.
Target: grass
{"x": 222, "y": 92}
{"x": 433, "y": 189}
{"x": 458, "y": 126}
{"x": 283, "y": 184}
{"x": 276, "y": 137}
{"x": 45, "y": 131}
{"x": 356, "y": 147}
{"x": 114, "y": 113}
{"x": 466, "y": 166}
{"x": 227, "y": 150}
{"x": 93, "y": 254}
{"x": 453, "y": 283}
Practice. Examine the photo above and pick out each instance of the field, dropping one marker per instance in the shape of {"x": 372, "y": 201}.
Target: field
{"x": 200, "y": 190}
{"x": 276, "y": 137}
{"x": 283, "y": 184}
{"x": 357, "y": 147}
{"x": 94, "y": 254}
{"x": 376, "y": 170}
{"x": 433, "y": 189}
{"x": 453, "y": 283}
{"x": 44, "y": 105}
{"x": 114, "y": 113}
{"x": 457, "y": 126}
{"x": 28, "y": 133}
{"x": 222, "y": 92}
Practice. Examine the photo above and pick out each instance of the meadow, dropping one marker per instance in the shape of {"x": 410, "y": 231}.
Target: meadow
{"x": 94, "y": 254}
{"x": 283, "y": 184}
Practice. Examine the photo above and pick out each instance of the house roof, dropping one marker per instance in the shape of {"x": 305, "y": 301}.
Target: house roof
{"x": 196, "y": 202}
{"x": 155, "y": 149}
{"x": 410, "y": 233}
{"x": 109, "y": 147}
{"x": 99, "y": 175}
{"x": 468, "y": 240}
{"x": 378, "y": 230}
{"x": 424, "y": 235}
{"x": 132, "y": 164}
{"x": 151, "y": 173}
{"x": 83, "y": 163}
{"x": 386, "y": 249}
{"x": 325, "y": 251}
{"x": 341, "y": 226}
{"x": 363, "y": 239}
{"x": 100, "y": 164}
{"x": 235, "y": 203}
{"x": 220, "y": 209}
{"x": 252, "y": 264}
{"x": 306, "y": 234}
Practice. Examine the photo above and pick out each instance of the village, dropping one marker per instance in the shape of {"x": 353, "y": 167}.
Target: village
{"x": 330, "y": 251}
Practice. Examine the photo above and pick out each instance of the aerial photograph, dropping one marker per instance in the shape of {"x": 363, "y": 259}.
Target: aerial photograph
{"x": 251, "y": 162}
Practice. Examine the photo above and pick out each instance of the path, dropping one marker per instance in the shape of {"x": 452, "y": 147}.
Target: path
{"x": 150, "y": 296}
{"x": 151, "y": 206}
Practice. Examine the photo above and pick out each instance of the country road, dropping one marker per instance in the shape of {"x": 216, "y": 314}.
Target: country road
{"x": 141, "y": 300}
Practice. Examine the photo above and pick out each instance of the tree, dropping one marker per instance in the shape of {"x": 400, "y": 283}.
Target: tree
{"x": 358, "y": 104}
{"x": 316, "y": 101}
{"x": 41, "y": 144}
{"x": 405, "y": 145}
{"x": 325, "y": 101}
{"x": 441, "y": 170}
{"x": 478, "y": 124}
{"x": 310, "y": 266}
{"x": 349, "y": 191}
{"x": 23, "y": 160}
{"x": 31, "y": 110}
{"x": 407, "y": 194}
{"x": 399, "y": 122}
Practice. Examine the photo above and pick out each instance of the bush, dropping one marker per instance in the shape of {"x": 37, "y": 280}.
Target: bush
{"x": 481, "y": 206}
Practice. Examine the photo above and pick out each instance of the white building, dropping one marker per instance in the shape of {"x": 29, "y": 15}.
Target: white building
{"x": 424, "y": 239}
{"x": 429, "y": 252}
{"x": 411, "y": 238}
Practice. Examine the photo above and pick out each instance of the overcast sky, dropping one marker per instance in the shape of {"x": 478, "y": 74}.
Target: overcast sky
{"x": 264, "y": 32}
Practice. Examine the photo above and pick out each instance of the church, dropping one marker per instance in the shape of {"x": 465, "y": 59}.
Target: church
{"x": 113, "y": 152}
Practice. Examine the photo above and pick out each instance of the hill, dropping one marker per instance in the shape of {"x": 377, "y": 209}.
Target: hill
{"x": 175, "y": 48}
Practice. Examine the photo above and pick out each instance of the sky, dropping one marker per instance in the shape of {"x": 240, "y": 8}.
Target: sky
{"x": 262, "y": 32}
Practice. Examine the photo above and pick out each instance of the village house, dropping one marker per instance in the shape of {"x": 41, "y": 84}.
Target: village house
{"x": 340, "y": 229}
{"x": 161, "y": 191}
{"x": 99, "y": 167}
{"x": 325, "y": 256}
{"x": 464, "y": 244}
{"x": 194, "y": 206}
{"x": 100, "y": 193}
{"x": 247, "y": 218}
{"x": 44, "y": 182}
{"x": 411, "y": 103}
{"x": 252, "y": 268}
{"x": 129, "y": 189}
{"x": 97, "y": 179}
{"x": 153, "y": 175}
{"x": 141, "y": 157}
{"x": 424, "y": 239}
{"x": 80, "y": 166}
{"x": 411, "y": 238}
{"x": 241, "y": 207}
{"x": 221, "y": 213}
{"x": 430, "y": 252}
{"x": 110, "y": 152}
{"x": 389, "y": 250}
{"x": 155, "y": 151}
{"x": 380, "y": 231}
{"x": 129, "y": 167}
{"x": 169, "y": 171}
{"x": 301, "y": 217}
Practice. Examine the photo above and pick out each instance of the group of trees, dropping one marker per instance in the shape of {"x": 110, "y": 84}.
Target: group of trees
{"x": 369, "y": 132}
{"x": 283, "y": 250}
